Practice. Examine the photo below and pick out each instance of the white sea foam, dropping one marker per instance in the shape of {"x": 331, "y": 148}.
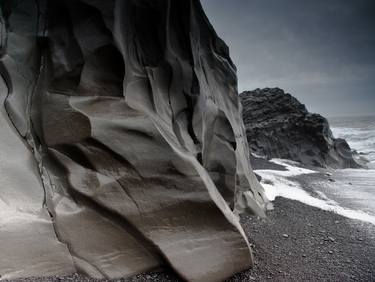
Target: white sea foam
{"x": 359, "y": 133}
{"x": 278, "y": 184}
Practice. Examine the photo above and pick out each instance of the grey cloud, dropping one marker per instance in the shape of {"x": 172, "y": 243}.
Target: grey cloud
{"x": 322, "y": 51}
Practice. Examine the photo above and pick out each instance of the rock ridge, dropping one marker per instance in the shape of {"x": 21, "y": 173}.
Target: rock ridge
{"x": 279, "y": 126}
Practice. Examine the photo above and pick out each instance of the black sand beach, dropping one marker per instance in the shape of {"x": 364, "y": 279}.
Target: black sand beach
{"x": 302, "y": 243}
{"x": 295, "y": 243}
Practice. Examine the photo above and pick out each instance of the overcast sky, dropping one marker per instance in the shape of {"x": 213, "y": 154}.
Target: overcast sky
{"x": 321, "y": 51}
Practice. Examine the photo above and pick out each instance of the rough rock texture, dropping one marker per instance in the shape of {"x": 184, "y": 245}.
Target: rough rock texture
{"x": 279, "y": 126}
{"x": 131, "y": 113}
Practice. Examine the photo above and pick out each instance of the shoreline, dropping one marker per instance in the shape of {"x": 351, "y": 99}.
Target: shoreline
{"x": 303, "y": 243}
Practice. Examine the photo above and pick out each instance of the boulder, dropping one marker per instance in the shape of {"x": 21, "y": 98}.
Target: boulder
{"x": 131, "y": 111}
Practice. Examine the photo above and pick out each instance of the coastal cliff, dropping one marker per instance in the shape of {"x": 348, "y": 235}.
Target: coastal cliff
{"x": 279, "y": 126}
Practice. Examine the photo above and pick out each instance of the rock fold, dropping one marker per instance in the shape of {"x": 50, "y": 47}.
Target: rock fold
{"x": 131, "y": 111}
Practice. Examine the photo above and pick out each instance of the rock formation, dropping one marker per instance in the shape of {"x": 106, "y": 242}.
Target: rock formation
{"x": 279, "y": 126}
{"x": 129, "y": 147}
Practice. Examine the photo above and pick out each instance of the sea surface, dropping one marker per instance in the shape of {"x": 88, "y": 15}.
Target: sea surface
{"x": 348, "y": 192}
{"x": 355, "y": 188}
{"x": 359, "y": 132}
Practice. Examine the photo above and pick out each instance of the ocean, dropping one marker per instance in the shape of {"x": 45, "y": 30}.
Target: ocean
{"x": 349, "y": 192}
{"x": 355, "y": 188}
{"x": 359, "y": 132}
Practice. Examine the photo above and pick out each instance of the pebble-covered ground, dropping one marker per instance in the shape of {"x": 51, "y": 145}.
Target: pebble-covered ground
{"x": 302, "y": 243}
{"x": 295, "y": 243}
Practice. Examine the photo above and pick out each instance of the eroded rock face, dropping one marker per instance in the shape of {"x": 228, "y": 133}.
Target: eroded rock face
{"x": 131, "y": 110}
{"x": 279, "y": 126}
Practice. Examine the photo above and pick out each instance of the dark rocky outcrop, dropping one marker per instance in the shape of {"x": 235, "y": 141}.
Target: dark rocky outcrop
{"x": 137, "y": 154}
{"x": 279, "y": 126}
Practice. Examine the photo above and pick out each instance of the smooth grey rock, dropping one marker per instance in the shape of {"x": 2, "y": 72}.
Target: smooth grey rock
{"x": 131, "y": 110}
{"x": 279, "y": 126}
{"x": 28, "y": 243}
